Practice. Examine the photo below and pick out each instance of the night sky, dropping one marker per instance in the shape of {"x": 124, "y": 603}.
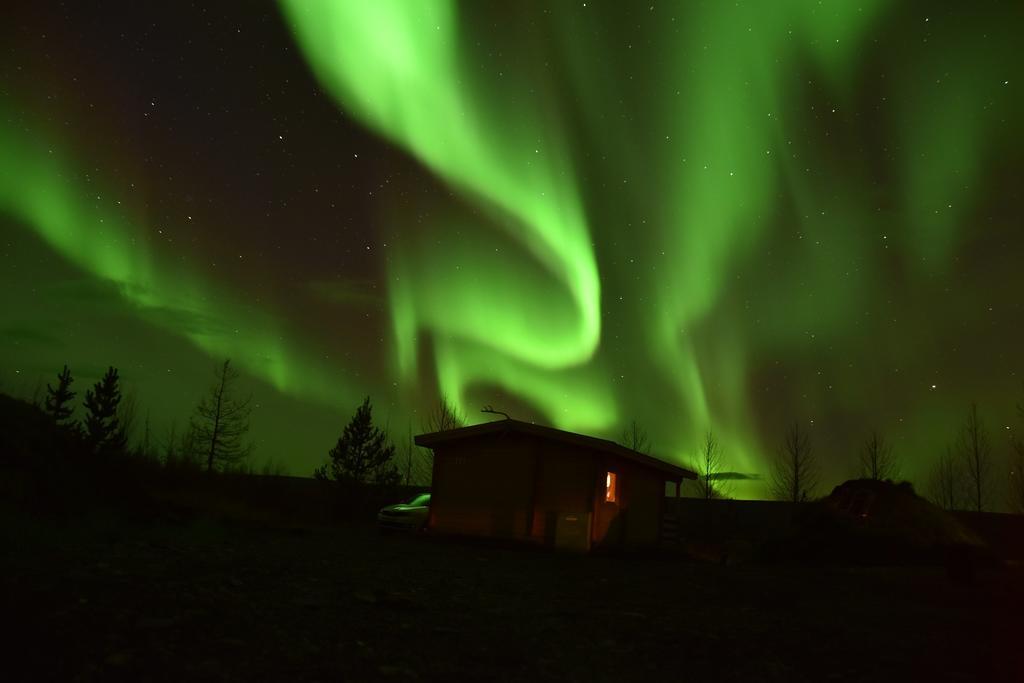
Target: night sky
{"x": 694, "y": 215}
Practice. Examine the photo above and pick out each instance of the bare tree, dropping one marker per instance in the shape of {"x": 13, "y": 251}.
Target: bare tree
{"x": 1016, "y": 479}
{"x": 877, "y": 460}
{"x": 273, "y": 468}
{"x": 146, "y": 447}
{"x": 444, "y": 416}
{"x": 709, "y": 467}
{"x": 169, "y": 443}
{"x": 423, "y": 466}
{"x": 190, "y": 448}
{"x": 37, "y": 394}
{"x": 946, "y": 483}
{"x": 975, "y": 452}
{"x": 794, "y": 473}
{"x": 417, "y": 463}
{"x": 635, "y": 437}
{"x": 221, "y": 421}
{"x": 180, "y": 448}
{"x": 407, "y": 465}
{"x": 127, "y": 411}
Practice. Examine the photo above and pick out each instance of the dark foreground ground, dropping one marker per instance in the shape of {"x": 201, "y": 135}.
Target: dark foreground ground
{"x": 111, "y": 599}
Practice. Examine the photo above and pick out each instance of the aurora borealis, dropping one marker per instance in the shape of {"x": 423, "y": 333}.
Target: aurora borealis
{"x": 693, "y": 214}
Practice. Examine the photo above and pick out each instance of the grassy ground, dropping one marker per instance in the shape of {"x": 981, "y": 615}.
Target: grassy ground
{"x": 107, "y": 598}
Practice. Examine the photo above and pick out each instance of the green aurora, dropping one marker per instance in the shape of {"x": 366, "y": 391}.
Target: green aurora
{"x": 694, "y": 215}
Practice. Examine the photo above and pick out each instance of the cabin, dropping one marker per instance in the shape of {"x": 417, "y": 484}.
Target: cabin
{"x": 516, "y": 480}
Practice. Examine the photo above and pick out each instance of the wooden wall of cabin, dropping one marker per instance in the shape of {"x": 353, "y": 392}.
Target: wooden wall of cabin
{"x": 514, "y": 485}
{"x": 482, "y": 486}
{"x": 645, "y": 491}
{"x": 566, "y": 478}
{"x": 634, "y": 519}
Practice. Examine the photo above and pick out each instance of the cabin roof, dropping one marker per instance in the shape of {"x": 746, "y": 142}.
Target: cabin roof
{"x": 433, "y": 439}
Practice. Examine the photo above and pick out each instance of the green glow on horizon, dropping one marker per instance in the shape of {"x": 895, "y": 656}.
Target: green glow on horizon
{"x": 733, "y": 72}
{"x": 100, "y": 236}
{"x": 395, "y": 65}
{"x": 695, "y": 215}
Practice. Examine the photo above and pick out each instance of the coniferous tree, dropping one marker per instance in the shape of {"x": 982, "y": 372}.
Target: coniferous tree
{"x": 221, "y": 422}
{"x": 363, "y": 453}
{"x": 58, "y": 400}
{"x": 102, "y": 427}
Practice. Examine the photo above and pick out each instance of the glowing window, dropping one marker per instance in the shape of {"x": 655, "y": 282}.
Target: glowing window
{"x": 610, "y": 492}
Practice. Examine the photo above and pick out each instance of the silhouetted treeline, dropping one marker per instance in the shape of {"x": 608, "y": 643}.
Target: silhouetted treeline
{"x": 101, "y": 429}
{"x": 215, "y": 438}
{"x": 74, "y": 448}
{"x": 966, "y": 476}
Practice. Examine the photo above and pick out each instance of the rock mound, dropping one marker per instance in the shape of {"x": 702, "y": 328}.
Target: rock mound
{"x": 870, "y": 522}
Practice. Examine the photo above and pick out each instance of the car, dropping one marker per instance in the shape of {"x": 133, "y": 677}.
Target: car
{"x": 410, "y": 515}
